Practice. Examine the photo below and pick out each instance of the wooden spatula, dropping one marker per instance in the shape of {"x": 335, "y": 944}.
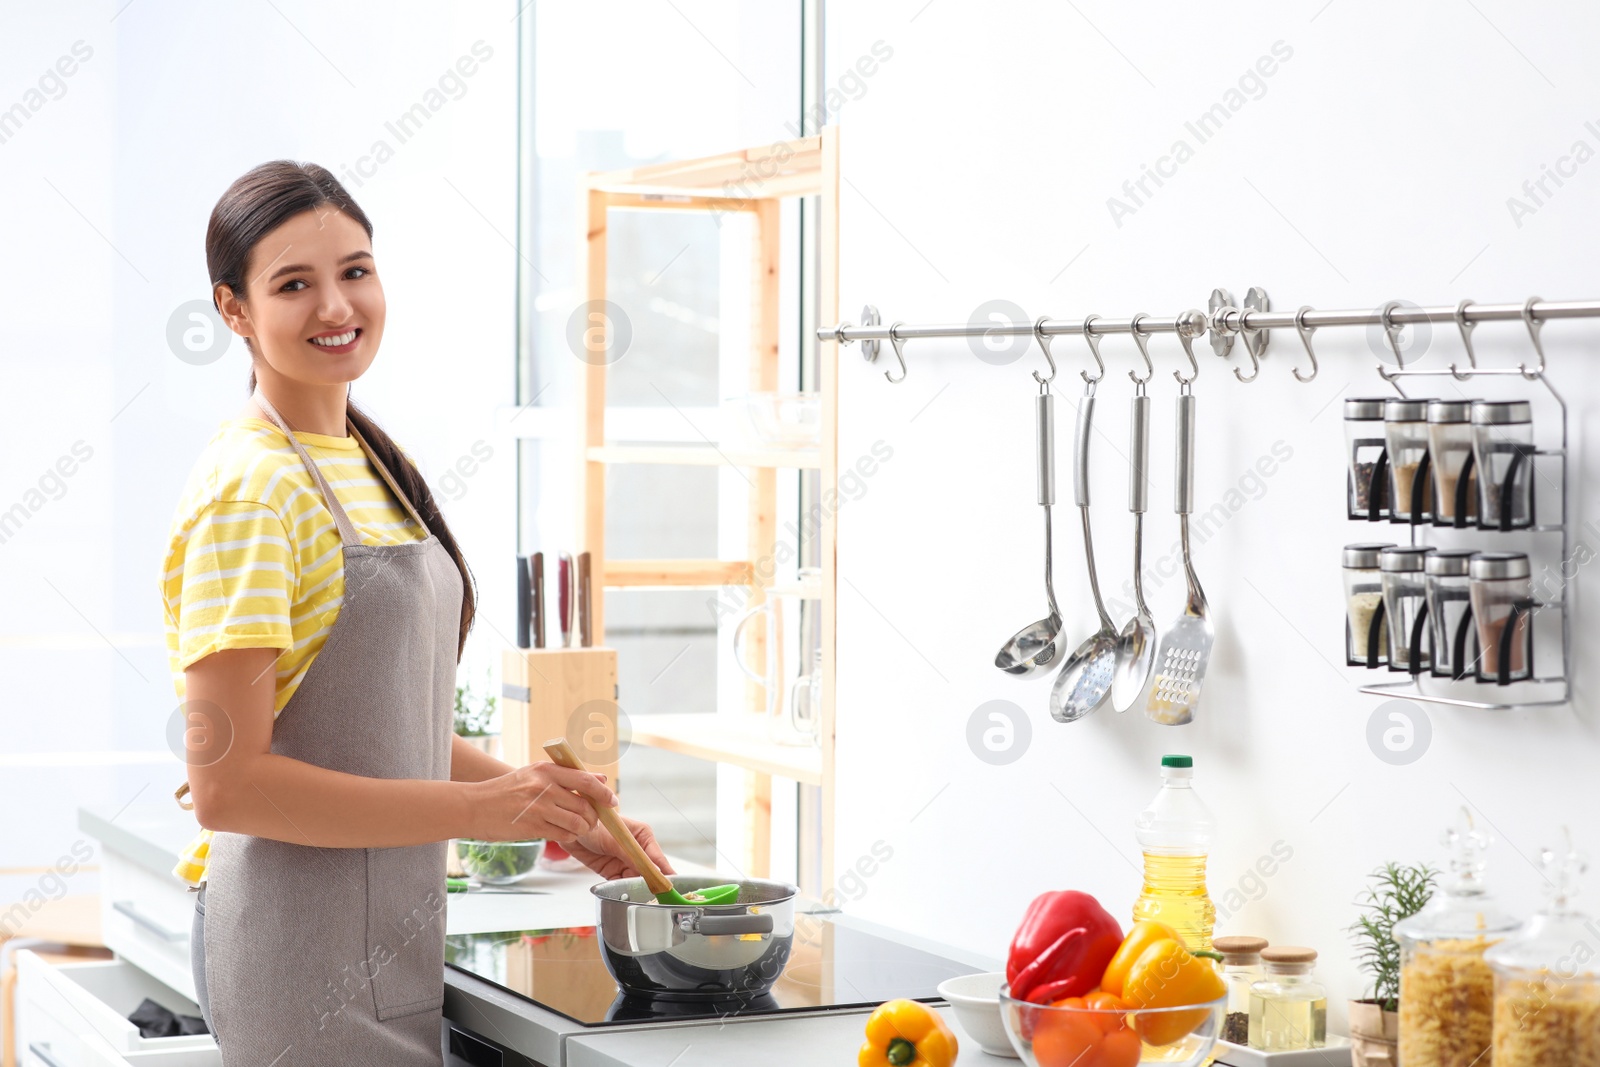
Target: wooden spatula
{"x": 561, "y": 753}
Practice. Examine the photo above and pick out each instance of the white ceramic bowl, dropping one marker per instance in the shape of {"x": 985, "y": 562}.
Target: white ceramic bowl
{"x": 976, "y": 1000}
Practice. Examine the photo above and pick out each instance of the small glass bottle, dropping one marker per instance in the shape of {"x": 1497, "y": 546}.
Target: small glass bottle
{"x": 1363, "y": 596}
{"x": 1502, "y": 447}
{"x": 1405, "y": 427}
{"x": 1450, "y": 457}
{"x": 1546, "y": 984}
{"x": 1446, "y": 987}
{"x": 1288, "y": 1006}
{"x": 1502, "y": 605}
{"x": 1241, "y": 969}
{"x": 1404, "y": 597}
{"x": 1364, "y": 443}
{"x": 1449, "y": 604}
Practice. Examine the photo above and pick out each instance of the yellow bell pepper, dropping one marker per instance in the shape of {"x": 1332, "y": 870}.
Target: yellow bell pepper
{"x": 902, "y": 1032}
{"x": 1167, "y": 975}
{"x": 1140, "y": 937}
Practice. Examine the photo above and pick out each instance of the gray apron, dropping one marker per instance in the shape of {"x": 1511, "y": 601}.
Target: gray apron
{"x": 319, "y": 956}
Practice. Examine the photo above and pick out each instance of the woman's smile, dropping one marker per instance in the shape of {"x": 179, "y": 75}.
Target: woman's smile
{"x": 337, "y": 342}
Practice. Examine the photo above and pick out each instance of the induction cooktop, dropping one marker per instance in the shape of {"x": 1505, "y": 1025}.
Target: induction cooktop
{"x": 831, "y": 965}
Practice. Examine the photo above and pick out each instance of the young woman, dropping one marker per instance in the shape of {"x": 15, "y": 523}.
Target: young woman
{"x": 316, "y": 608}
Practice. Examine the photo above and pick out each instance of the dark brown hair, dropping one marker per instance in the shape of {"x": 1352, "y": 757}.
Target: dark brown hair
{"x": 260, "y": 202}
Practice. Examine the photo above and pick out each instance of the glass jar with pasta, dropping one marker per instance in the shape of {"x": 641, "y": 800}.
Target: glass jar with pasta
{"x": 1446, "y": 986}
{"x": 1546, "y": 986}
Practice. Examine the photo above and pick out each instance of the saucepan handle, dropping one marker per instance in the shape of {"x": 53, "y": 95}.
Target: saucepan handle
{"x": 732, "y": 924}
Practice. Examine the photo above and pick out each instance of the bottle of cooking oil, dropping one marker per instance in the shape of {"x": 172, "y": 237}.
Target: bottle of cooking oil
{"x": 1175, "y": 834}
{"x": 1288, "y": 1007}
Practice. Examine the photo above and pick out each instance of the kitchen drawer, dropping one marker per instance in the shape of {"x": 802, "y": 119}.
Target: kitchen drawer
{"x": 77, "y": 1011}
{"x": 146, "y": 918}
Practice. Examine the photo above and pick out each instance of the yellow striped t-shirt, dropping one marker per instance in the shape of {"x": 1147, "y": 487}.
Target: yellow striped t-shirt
{"x": 255, "y": 561}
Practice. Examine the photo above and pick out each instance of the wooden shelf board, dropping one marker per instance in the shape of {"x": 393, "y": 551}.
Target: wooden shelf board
{"x": 783, "y": 169}
{"x": 708, "y": 456}
{"x": 727, "y": 739}
{"x": 675, "y": 573}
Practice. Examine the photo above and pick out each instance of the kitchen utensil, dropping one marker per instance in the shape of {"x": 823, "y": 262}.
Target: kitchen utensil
{"x": 524, "y": 606}
{"x": 1136, "y": 645}
{"x": 536, "y": 581}
{"x": 1035, "y": 648}
{"x": 976, "y": 1001}
{"x": 732, "y": 952}
{"x": 1106, "y": 1036}
{"x": 1186, "y": 649}
{"x": 1085, "y": 680}
{"x": 585, "y": 632}
{"x": 560, "y": 752}
{"x": 564, "y": 599}
{"x": 463, "y": 885}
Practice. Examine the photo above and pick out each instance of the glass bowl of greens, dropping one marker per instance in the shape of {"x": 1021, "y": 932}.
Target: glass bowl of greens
{"x": 498, "y": 862}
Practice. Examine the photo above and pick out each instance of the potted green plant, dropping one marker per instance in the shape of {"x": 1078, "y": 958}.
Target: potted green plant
{"x": 1394, "y": 892}
{"x": 475, "y": 717}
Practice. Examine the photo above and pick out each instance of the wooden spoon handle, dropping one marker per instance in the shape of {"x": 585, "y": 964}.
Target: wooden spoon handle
{"x": 561, "y": 754}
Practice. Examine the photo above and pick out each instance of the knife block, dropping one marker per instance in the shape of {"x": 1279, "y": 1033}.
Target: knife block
{"x": 560, "y": 692}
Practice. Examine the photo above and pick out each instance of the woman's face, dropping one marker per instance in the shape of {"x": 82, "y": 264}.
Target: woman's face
{"x": 313, "y": 305}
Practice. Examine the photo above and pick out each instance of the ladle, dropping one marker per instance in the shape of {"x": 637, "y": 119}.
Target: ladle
{"x": 1085, "y": 680}
{"x": 1036, "y": 647}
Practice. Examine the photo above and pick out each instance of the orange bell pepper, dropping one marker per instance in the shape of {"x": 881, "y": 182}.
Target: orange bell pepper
{"x": 1141, "y": 936}
{"x": 903, "y": 1032}
{"x": 1098, "y": 1037}
{"x": 1167, "y": 975}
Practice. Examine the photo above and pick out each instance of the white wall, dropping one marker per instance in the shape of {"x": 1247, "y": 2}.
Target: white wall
{"x": 1374, "y": 163}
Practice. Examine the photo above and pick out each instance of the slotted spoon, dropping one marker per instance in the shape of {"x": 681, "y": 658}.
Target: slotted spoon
{"x": 1085, "y": 680}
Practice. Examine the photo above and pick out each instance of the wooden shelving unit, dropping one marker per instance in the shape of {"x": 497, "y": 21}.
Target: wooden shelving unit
{"x": 753, "y": 181}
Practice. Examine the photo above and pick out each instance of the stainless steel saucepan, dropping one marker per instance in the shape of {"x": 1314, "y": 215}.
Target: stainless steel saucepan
{"x": 672, "y": 952}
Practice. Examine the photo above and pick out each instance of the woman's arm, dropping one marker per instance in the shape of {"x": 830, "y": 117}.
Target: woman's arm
{"x": 239, "y": 785}
{"x": 469, "y": 763}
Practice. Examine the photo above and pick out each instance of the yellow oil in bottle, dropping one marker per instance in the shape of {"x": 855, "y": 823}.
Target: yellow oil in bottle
{"x": 1175, "y": 893}
{"x": 1281, "y": 1023}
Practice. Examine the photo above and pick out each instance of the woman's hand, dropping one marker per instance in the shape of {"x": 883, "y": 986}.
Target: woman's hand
{"x": 599, "y": 851}
{"x": 538, "y": 800}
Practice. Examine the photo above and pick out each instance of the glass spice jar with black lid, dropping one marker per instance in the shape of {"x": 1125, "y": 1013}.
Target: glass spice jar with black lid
{"x": 1449, "y": 600}
{"x": 1450, "y": 459}
{"x": 1502, "y": 449}
{"x": 1405, "y": 430}
{"x": 1502, "y": 607}
{"x": 1405, "y": 606}
{"x": 1367, "y": 477}
{"x": 1366, "y": 637}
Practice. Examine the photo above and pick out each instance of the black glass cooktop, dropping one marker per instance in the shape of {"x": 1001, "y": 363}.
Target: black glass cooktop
{"x": 830, "y": 966}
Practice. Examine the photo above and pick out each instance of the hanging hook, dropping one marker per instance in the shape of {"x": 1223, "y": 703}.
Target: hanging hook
{"x": 1305, "y": 333}
{"x": 1044, "y": 343}
{"x": 894, "y": 339}
{"x": 1094, "y": 346}
{"x": 1466, "y": 329}
{"x": 1144, "y": 350}
{"x": 1250, "y": 347}
{"x": 1392, "y": 332}
{"x": 1533, "y": 332}
{"x": 1191, "y": 324}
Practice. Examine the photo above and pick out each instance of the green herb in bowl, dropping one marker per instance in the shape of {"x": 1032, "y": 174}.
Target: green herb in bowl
{"x": 498, "y": 862}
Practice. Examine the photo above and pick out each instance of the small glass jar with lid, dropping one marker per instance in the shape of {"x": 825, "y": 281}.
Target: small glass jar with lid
{"x": 1502, "y": 449}
{"x": 1455, "y": 482}
{"x": 1241, "y": 969}
{"x": 1288, "y": 1006}
{"x": 1450, "y": 611}
{"x": 1367, "y": 477}
{"x": 1503, "y": 606}
{"x": 1405, "y": 428}
{"x": 1366, "y": 637}
{"x": 1404, "y": 600}
{"x": 1546, "y": 981}
{"x": 1446, "y": 986}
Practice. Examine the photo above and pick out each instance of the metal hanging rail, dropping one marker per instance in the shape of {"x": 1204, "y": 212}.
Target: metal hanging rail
{"x": 1226, "y": 320}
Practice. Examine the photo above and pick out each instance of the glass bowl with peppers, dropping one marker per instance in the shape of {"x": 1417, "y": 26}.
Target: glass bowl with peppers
{"x": 1080, "y": 994}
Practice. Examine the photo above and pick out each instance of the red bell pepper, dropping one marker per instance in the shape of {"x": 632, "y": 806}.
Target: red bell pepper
{"x": 1062, "y": 947}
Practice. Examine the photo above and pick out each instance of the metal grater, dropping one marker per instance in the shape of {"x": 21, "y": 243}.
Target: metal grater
{"x": 1186, "y": 648}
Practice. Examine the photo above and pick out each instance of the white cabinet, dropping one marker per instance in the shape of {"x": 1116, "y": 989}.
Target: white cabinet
{"x": 146, "y": 918}
{"x": 75, "y": 1015}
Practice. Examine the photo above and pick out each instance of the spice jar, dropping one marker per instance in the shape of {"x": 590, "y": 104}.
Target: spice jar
{"x": 1446, "y": 986}
{"x": 1405, "y": 429}
{"x": 1241, "y": 969}
{"x": 1546, "y": 986}
{"x": 1404, "y": 606}
{"x": 1366, "y": 635}
{"x": 1367, "y": 496}
{"x": 1450, "y": 611}
{"x": 1288, "y": 1006}
{"x": 1502, "y": 605}
{"x": 1502, "y": 448}
{"x": 1455, "y": 495}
